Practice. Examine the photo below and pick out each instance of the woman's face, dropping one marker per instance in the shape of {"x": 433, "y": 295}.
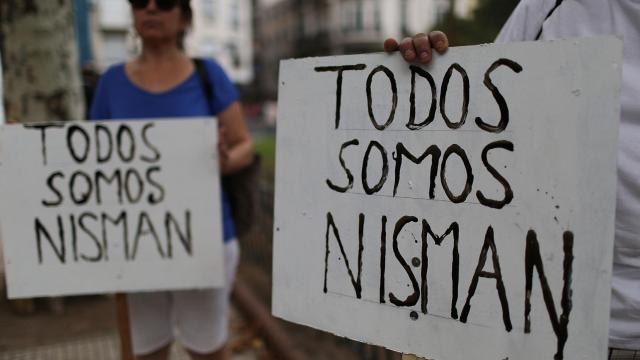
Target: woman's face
{"x": 158, "y": 24}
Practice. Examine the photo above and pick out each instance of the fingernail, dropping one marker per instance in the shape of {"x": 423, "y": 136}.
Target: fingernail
{"x": 440, "y": 45}
{"x": 424, "y": 56}
{"x": 410, "y": 54}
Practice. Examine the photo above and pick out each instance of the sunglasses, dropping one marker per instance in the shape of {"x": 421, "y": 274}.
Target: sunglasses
{"x": 164, "y": 5}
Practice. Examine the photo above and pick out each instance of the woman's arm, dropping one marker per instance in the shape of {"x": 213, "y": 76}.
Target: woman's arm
{"x": 234, "y": 145}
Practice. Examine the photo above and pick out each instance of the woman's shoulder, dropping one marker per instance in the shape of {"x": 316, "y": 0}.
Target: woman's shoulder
{"x": 113, "y": 74}
{"x": 214, "y": 68}
{"x": 209, "y": 62}
{"x": 225, "y": 91}
{"x": 114, "y": 70}
{"x": 217, "y": 74}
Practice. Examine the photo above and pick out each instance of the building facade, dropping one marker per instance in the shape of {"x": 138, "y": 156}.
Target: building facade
{"x": 302, "y": 28}
{"x": 222, "y": 29}
{"x": 81, "y": 10}
{"x": 111, "y": 32}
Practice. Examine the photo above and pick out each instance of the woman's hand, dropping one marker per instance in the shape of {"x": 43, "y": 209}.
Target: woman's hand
{"x": 419, "y": 47}
{"x": 235, "y": 146}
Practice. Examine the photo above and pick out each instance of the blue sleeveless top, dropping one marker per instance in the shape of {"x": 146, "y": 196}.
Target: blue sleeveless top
{"x": 117, "y": 97}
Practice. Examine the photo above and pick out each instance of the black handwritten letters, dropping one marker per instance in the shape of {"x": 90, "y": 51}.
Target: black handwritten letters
{"x": 439, "y": 156}
{"x": 418, "y": 286}
{"x": 456, "y": 188}
{"x": 112, "y": 166}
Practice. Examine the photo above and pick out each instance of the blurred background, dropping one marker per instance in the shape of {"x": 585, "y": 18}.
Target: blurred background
{"x": 76, "y": 40}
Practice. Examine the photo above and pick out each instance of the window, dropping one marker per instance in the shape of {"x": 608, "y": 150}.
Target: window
{"x": 234, "y": 54}
{"x": 404, "y": 11}
{"x": 234, "y": 15}
{"x": 377, "y": 15}
{"x": 348, "y": 16}
{"x": 359, "y": 14}
{"x": 209, "y": 10}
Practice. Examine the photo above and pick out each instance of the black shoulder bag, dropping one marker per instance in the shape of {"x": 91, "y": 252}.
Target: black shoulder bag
{"x": 242, "y": 186}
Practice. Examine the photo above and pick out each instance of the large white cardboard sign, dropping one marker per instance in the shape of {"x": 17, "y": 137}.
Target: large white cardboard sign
{"x": 460, "y": 210}
{"x": 110, "y": 206}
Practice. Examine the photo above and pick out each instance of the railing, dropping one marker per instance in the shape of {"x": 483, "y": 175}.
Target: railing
{"x": 255, "y": 269}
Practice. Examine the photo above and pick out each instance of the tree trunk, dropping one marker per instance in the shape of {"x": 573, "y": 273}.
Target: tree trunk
{"x": 41, "y": 72}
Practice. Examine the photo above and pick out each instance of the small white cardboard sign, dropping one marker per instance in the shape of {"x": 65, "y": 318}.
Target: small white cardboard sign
{"x": 94, "y": 207}
{"x": 459, "y": 210}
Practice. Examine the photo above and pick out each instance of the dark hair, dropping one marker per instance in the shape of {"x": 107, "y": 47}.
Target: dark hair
{"x": 185, "y": 7}
{"x": 187, "y": 14}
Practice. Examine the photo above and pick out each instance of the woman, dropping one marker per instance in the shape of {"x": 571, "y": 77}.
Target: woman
{"x": 162, "y": 82}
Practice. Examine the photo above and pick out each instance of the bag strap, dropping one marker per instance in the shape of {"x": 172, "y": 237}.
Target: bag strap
{"x": 207, "y": 87}
{"x": 558, "y": 2}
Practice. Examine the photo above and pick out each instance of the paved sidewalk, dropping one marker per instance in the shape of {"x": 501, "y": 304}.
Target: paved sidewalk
{"x": 98, "y": 348}
{"x": 87, "y": 331}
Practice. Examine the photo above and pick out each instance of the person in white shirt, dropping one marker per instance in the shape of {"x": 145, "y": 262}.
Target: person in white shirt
{"x": 1, "y": 96}
{"x": 558, "y": 19}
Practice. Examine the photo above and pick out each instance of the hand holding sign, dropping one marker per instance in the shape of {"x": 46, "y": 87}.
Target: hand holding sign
{"x": 419, "y": 47}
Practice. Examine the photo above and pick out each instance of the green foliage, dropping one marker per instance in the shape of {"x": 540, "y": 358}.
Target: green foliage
{"x": 266, "y": 147}
{"x": 482, "y": 27}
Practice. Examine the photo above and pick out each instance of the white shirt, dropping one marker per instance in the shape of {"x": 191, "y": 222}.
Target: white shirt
{"x": 581, "y": 18}
{"x": 1, "y": 97}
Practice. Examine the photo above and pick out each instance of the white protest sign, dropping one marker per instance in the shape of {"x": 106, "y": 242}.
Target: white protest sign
{"x": 460, "y": 210}
{"x": 112, "y": 206}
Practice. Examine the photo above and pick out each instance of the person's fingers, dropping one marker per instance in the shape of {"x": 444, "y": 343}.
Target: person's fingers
{"x": 390, "y": 45}
{"x": 407, "y": 50}
{"x": 11, "y": 121}
{"x": 419, "y": 47}
{"x": 423, "y": 47}
{"x": 439, "y": 41}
